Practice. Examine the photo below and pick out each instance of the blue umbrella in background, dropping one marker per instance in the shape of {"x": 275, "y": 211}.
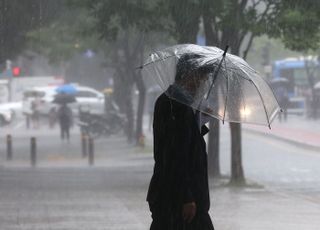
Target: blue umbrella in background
{"x": 66, "y": 89}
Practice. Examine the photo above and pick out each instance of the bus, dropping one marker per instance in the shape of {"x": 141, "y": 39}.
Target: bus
{"x": 295, "y": 71}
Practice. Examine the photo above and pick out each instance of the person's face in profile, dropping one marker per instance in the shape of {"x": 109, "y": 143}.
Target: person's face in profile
{"x": 193, "y": 82}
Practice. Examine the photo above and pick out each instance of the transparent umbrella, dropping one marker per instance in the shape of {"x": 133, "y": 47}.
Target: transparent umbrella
{"x": 214, "y": 82}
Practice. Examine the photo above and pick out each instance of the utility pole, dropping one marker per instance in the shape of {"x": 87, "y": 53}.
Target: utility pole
{"x": 9, "y": 76}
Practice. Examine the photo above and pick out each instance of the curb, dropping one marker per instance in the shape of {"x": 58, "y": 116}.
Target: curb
{"x": 287, "y": 140}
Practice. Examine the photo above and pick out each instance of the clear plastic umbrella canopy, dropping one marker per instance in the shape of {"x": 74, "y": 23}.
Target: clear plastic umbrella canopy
{"x": 214, "y": 82}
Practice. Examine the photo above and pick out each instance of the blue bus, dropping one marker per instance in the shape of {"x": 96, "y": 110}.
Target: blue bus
{"x": 294, "y": 70}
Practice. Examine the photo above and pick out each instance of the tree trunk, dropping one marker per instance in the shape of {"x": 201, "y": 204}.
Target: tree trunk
{"x": 130, "y": 117}
{"x": 214, "y": 126}
{"x": 237, "y": 174}
{"x": 213, "y": 149}
{"x": 123, "y": 97}
{"x": 311, "y": 81}
{"x": 140, "y": 110}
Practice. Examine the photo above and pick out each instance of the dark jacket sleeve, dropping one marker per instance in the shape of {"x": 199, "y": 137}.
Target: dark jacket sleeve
{"x": 183, "y": 155}
{"x": 174, "y": 178}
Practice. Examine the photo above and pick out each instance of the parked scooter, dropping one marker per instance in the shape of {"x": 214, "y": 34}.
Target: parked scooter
{"x": 97, "y": 125}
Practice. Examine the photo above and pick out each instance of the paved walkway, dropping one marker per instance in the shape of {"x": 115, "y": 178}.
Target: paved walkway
{"x": 296, "y": 130}
{"x": 111, "y": 195}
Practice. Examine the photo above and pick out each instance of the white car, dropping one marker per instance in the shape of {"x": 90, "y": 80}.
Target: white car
{"x": 8, "y": 111}
{"x": 86, "y": 97}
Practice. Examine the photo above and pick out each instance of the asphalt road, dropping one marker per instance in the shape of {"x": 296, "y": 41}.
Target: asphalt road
{"x": 276, "y": 164}
{"x": 63, "y": 192}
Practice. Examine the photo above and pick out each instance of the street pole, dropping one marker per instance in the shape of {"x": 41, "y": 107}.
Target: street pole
{"x": 9, "y": 76}
{"x": 33, "y": 150}
{"x": 9, "y": 147}
{"x": 91, "y": 152}
{"x": 84, "y": 140}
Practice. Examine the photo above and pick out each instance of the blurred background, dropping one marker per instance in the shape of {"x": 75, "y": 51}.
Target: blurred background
{"x": 76, "y": 112}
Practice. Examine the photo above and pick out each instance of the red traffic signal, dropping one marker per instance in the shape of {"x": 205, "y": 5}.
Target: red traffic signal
{"x": 16, "y": 71}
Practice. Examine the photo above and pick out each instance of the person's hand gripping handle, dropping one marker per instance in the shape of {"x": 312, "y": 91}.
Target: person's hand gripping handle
{"x": 189, "y": 211}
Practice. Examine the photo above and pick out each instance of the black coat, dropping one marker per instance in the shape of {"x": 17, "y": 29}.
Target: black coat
{"x": 180, "y": 171}
{"x": 65, "y": 116}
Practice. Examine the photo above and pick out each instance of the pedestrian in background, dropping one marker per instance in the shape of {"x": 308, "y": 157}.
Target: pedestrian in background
{"x": 65, "y": 120}
{"x": 283, "y": 99}
{"x": 35, "y": 113}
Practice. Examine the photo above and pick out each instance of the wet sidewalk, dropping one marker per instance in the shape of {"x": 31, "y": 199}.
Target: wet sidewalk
{"x": 262, "y": 209}
{"x": 111, "y": 195}
{"x": 296, "y": 130}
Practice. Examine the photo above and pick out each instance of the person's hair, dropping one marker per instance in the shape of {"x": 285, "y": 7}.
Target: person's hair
{"x": 188, "y": 64}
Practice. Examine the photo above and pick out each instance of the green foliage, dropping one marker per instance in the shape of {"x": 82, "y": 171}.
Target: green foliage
{"x": 297, "y": 24}
{"x": 229, "y": 21}
{"x": 68, "y": 34}
{"x": 18, "y": 17}
{"x": 113, "y": 16}
{"x": 183, "y": 19}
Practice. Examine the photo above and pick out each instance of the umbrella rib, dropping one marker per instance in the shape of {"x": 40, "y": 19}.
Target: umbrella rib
{"x": 161, "y": 59}
{"x": 264, "y": 106}
{"x": 272, "y": 93}
{"x": 263, "y": 100}
{"x": 242, "y": 96}
{"x": 239, "y": 69}
{"x": 218, "y": 69}
{"x": 226, "y": 101}
{"x": 215, "y": 76}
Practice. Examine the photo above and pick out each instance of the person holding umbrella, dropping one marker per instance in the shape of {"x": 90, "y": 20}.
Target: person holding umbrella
{"x": 65, "y": 95}
{"x": 197, "y": 81}
{"x": 178, "y": 194}
{"x": 65, "y": 120}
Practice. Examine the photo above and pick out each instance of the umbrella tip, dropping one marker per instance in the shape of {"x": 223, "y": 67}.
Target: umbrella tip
{"x": 225, "y": 50}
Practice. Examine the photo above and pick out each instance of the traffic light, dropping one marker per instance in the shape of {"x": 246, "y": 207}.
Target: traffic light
{"x": 16, "y": 71}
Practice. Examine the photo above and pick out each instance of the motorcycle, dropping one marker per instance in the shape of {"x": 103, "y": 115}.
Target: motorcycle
{"x": 97, "y": 125}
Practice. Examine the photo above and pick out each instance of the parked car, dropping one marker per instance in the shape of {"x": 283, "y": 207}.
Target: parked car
{"x": 87, "y": 97}
{"x": 8, "y": 112}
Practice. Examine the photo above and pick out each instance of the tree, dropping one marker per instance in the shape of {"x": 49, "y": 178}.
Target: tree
{"x": 64, "y": 37}
{"x": 238, "y": 22}
{"x": 128, "y": 22}
{"x": 229, "y": 23}
{"x": 298, "y": 26}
